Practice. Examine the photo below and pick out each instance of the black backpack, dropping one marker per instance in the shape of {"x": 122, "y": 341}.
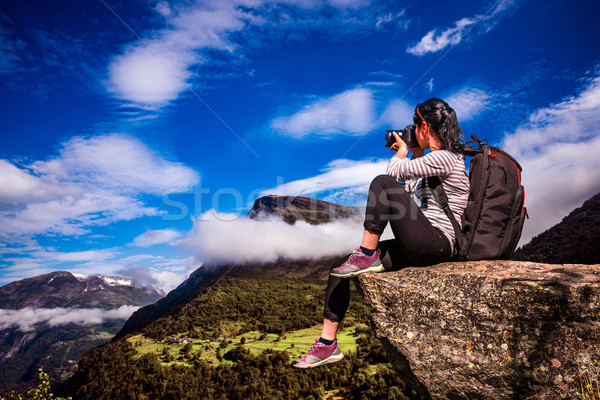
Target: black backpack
{"x": 493, "y": 219}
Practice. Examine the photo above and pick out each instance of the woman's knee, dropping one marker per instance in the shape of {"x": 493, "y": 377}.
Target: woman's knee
{"x": 383, "y": 181}
{"x": 385, "y": 188}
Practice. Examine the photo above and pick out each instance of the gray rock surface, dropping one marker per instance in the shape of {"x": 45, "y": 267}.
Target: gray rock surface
{"x": 490, "y": 329}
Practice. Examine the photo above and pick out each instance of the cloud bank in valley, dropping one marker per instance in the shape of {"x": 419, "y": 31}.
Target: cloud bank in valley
{"x": 227, "y": 238}
{"x": 27, "y": 318}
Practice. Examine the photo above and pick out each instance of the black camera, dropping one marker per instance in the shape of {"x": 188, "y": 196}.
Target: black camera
{"x": 408, "y": 135}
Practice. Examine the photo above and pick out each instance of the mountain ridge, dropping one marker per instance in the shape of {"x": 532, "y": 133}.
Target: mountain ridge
{"x": 574, "y": 240}
{"x": 71, "y": 297}
{"x": 65, "y": 289}
{"x": 294, "y": 208}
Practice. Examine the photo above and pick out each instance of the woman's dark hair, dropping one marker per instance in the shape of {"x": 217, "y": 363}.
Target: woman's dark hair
{"x": 442, "y": 118}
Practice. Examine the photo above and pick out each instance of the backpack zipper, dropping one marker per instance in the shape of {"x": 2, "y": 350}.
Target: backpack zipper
{"x": 493, "y": 154}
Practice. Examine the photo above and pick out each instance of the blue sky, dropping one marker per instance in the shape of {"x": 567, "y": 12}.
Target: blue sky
{"x": 135, "y": 134}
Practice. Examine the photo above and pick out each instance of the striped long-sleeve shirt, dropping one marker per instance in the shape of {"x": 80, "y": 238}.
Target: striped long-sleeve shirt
{"x": 450, "y": 167}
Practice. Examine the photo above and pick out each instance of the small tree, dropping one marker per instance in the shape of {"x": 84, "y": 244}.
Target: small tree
{"x": 41, "y": 392}
{"x": 187, "y": 348}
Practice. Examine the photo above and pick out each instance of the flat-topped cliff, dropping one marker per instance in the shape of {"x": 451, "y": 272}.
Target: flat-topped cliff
{"x": 490, "y": 329}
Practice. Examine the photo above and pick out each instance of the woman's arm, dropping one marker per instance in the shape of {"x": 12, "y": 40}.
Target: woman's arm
{"x": 435, "y": 163}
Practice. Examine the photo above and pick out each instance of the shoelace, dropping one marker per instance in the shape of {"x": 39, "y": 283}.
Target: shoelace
{"x": 313, "y": 348}
{"x": 310, "y": 351}
{"x": 354, "y": 254}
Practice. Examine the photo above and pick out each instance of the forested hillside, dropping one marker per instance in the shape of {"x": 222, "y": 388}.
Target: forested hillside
{"x": 574, "y": 240}
{"x": 236, "y": 339}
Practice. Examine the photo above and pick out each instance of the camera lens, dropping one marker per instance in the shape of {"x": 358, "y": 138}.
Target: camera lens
{"x": 389, "y": 139}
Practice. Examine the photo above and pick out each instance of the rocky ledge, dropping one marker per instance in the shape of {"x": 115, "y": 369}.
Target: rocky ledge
{"x": 294, "y": 208}
{"x": 490, "y": 329}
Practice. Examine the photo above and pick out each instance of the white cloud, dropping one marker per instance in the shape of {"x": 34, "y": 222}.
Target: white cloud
{"x": 165, "y": 273}
{"x": 386, "y": 74}
{"x": 354, "y": 112}
{"x": 338, "y": 174}
{"x": 140, "y": 274}
{"x": 558, "y": 149}
{"x": 390, "y": 17}
{"x": 350, "y": 112}
{"x": 74, "y": 256}
{"x": 469, "y": 102}
{"x": 73, "y": 215}
{"x": 355, "y": 196}
{"x": 339, "y": 3}
{"x": 93, "y": 181}
{"x": 163, "y": 8}
{"x": 169, "y": 278}
{"x": 161, "y": 272}
{"x": 25, "y": 319}
{"x": 20, "y": 271}
{"x": 118, "y": 162}
{"x": 18, "y": 186}
{"x": 429, "y": 85}
{"x": 155, "y": 70}
{"x": 154, "y": 237}
{"x": 435, "y": 40}
{"x": 398, "y": 114}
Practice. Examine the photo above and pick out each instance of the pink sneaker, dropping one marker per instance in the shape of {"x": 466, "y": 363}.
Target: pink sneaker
{"x": 358, "y": 263}
{"x": 319, "y": 354}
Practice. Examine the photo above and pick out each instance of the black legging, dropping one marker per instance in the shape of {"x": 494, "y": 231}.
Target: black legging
{"x": 416, "y": 243}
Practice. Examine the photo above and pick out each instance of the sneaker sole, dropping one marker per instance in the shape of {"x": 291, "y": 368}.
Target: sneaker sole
{"x": 378, "y": 268}
{"x": 328, "y": 360}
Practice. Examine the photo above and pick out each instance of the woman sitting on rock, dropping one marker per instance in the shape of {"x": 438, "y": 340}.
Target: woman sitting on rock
{"x": 423, "y": 234}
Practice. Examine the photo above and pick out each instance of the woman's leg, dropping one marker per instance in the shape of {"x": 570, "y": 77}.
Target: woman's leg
{"x": 337, "y": 296}
{"x": 325, "y": 349}
{"x": 388, "y": 202}
{"x": 370, "y": 240}
{"x": 417, "y": 239}
{"x": 416, "y": 242}
{"x": 330, "y": 329}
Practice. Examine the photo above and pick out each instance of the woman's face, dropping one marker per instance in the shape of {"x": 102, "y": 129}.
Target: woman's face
{"x": 421, "y": 133}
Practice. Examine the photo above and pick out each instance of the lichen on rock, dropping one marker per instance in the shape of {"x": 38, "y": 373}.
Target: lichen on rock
{"x": 490, "y": 329}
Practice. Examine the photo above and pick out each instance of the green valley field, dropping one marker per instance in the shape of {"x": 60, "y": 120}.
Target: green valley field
{"x": 236, "y": 338}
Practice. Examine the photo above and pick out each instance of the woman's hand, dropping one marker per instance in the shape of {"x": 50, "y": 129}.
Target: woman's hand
{"x": 399, "y": 147}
